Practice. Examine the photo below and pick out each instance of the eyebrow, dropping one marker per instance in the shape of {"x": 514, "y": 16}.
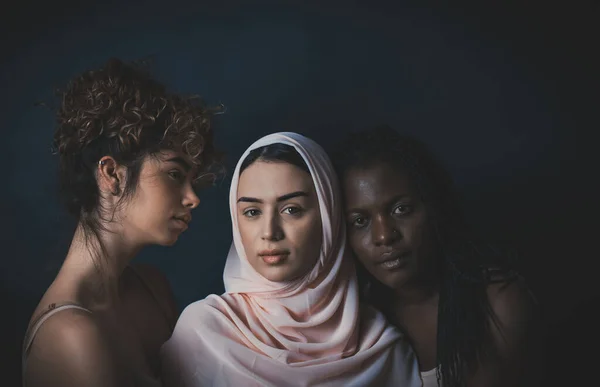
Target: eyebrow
{"x": 387, "y": 204}
{"x": 396, "y": 198}
{"x": 181, "y": 161}
{"x": 282, "y": 198}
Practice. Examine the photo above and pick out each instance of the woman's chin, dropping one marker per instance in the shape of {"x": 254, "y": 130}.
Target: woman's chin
{"x": 168, "y": 240}
{"x": 275, "y": 277}
{"x": 170, "y": 237}
{"x": 280, "y": 274}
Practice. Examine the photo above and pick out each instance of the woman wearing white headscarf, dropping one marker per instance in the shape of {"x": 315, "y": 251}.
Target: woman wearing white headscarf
{"x": 290, "y": 314}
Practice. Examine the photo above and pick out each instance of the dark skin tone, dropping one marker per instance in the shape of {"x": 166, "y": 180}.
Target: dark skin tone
{"x": 390, "y": 231}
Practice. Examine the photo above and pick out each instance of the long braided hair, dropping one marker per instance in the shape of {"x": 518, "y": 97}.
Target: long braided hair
{"x": 466, "y": 266}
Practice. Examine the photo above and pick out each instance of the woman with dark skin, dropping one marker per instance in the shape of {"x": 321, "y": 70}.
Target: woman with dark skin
{"x": 129, "y": 155}
{"x": 470, "y": 319}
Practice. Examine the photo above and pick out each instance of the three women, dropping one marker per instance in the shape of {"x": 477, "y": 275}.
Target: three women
{"x": 291, "y": 313}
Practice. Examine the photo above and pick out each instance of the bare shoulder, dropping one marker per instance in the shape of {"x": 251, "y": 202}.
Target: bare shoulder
{"x": 515, "y": 334}
{"x": 512, "y": 303}
{"x": 71, "y": 348}
{"x": 158, "y": 287}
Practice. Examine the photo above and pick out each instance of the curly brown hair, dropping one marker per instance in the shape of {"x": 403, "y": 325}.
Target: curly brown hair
{"x": 121, "y": 111}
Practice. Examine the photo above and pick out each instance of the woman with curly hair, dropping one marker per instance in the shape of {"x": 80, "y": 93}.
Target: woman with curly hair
{"x": 470, "y": 318}
{"x": 129, "y": 155}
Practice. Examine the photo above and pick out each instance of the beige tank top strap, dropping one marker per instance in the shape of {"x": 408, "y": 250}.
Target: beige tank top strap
{"x": 41, "y": 319}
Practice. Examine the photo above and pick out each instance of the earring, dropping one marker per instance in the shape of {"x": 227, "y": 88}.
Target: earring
{"x": 102, "y": 162}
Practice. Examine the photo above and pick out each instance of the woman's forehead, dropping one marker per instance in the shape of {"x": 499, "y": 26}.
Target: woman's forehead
{"x": 371, "y": 185}
{"x": 273, "y": 179}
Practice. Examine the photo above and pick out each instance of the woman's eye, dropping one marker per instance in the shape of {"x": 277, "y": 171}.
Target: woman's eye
{"x": 359, "y": 222}
{"x": 176, "y": 175}
{"x": 292, "y": 210}
{"x": 251, "y": 213}
{"x": 403, "y": 209}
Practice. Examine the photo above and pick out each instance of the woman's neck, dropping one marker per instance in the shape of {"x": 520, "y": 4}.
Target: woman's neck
{"x": 422, "y": 289}
{"x": 416, "y": 294}
{"x": 98, "y": 260}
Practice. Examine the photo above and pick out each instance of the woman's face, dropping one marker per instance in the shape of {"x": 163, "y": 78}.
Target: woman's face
{"x": 279, "y": 220}
{"x": 160, "y": 209}
{"x": 388, "y": 225}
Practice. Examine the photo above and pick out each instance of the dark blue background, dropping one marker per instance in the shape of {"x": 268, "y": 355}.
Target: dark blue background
{"x": 506, "y": 95}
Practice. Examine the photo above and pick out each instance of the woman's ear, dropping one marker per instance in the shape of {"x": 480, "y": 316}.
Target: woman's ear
{"x": 111, "y": 176}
